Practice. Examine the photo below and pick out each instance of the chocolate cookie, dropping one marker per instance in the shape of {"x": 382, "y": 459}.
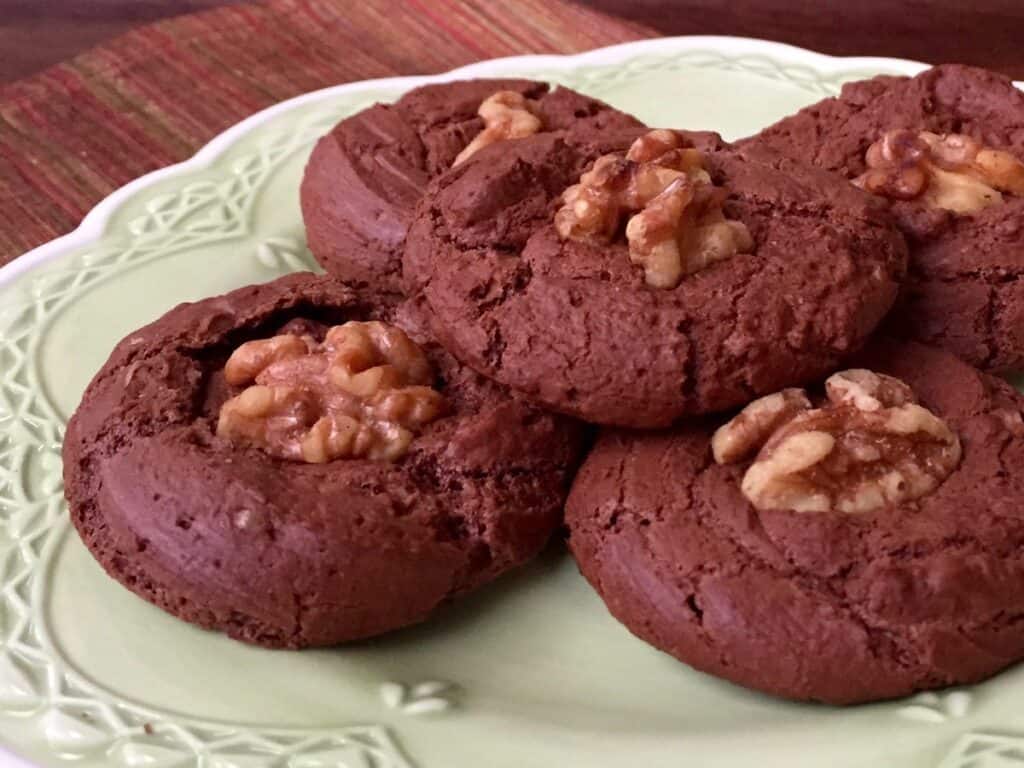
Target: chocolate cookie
{"x": 594, "y": 328}
{"x": 365, "y": 177}
{"x": 285, "y": 553}
{"x": 918, "y": 584}
{"x": 965, "y": 290}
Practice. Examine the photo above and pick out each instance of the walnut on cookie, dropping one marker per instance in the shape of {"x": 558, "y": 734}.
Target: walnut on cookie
{"x": 363, "y": 392}
{"x": 506, "y": 115}
{"x": 869, "y": 445}
{"x": 675, "y": 225}
{"x": 950, "y": 171}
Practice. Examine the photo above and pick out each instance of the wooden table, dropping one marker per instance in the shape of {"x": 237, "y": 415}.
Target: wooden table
{"x": 36, "y": 33}
{"x": 988, "y": 33}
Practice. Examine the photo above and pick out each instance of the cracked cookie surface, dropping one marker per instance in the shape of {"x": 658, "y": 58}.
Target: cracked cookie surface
{"x": 284, "y": 553}
{"x": 828, "y": 606}
{"x": 965, "y": 288}
{"x": 365, "y": 177}
{"x": 573, "y": 325}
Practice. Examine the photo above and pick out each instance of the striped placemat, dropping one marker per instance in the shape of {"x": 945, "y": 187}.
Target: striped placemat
{"x": 74, "y": 133}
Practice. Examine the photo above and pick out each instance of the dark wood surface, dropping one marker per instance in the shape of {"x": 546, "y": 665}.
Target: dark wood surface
{"x": 36, "y": 33}
{"x": 987, "y": 33}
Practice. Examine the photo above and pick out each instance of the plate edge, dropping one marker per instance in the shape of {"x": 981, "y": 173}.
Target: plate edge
{"x": 92, "y": 227}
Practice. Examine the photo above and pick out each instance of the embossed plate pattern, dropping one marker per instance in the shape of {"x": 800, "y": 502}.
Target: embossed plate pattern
{"x": 531, "y": 673}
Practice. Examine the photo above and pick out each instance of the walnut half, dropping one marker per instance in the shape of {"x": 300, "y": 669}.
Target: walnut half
{"x": 682, "y": 231}
{"x": 950, "y": 171}
{"x": 361, "y": 392}
{"x": 506, "y": 115}
{"x": 675, "y": 223}
{"x": 870, "y": 445}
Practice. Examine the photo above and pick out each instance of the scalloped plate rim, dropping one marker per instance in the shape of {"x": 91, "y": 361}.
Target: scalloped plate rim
{"x": 94, "y": 226}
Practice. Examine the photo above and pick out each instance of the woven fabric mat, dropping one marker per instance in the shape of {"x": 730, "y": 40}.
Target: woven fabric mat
{"x": 74, "y": 133}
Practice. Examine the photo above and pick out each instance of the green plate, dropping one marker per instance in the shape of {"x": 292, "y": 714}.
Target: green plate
{"x": 531, "y": 673}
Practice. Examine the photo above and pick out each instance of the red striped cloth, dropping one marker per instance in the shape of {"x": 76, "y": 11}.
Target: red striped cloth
{"x": 72, "y": 134}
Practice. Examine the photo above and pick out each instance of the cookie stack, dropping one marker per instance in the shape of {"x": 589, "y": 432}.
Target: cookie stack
{"x": 799, "y": 470}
